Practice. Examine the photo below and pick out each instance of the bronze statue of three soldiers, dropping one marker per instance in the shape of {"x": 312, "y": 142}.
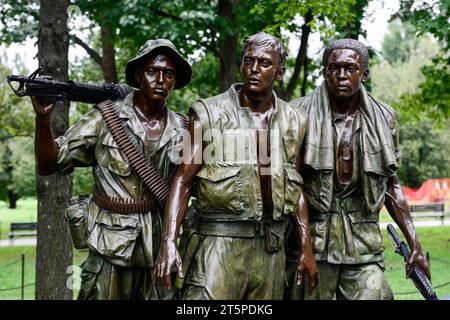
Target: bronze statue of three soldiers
{"x": 280, "y": 191}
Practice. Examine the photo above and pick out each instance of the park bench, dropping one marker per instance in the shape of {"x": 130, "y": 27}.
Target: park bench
{"x": 22, "y": 229}
{"x": 434, "y": 210}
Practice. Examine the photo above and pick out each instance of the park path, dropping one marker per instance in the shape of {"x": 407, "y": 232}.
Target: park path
{"x": 18, "y": 242}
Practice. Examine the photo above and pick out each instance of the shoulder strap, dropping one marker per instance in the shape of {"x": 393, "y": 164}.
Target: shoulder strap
{"x": 146, "y": 172}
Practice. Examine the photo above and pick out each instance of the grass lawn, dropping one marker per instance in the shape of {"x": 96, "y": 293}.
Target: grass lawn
{"x": 11, "y": 271}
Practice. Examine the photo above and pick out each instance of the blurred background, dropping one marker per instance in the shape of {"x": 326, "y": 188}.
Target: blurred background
{"x": 409, "y": 70}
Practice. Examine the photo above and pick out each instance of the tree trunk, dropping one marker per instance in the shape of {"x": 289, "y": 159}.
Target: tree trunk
{"x": 301, "y": 58}
{"x": 108, "y": 56}
{"x": 228, "y": 46}
{"x": 12, "y": 197}
{"x": 8, "y": 167}
{"x": 305, "y": 77}
{"x": 54, "y": 246}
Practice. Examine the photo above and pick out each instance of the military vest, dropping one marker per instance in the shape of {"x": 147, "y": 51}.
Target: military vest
{"x": 228, "y": 185}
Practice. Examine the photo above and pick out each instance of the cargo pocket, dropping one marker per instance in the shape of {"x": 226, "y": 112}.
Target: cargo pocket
{"x": 366, "y": 232}
{"x": 116, "y": 236}
{"x": 198, "y": 271}
{"x": 112, "y": 158}
{"x": 219, "y": 190}
{"x": 292, "y": 188}
{"x": 318, "y": 227}
{"x": 76, "y": 215}
{"x": 91, "y": 268}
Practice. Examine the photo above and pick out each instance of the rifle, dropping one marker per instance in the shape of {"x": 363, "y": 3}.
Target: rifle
{"x": 416, "y": 275}
{"x": 66, "y": 90}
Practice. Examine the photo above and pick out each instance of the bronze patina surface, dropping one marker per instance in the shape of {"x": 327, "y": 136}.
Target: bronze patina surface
{"x": 350, "y": 158}
{"x": 122, "y": 246}
{"x": 244, "y": 197}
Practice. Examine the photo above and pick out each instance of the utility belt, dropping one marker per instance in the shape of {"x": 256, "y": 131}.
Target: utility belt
{"x": 354, "y": 207}
{"x": 271, "y": 231}
{"x": 348, "y": 204}
{"x": 123, "y": 206}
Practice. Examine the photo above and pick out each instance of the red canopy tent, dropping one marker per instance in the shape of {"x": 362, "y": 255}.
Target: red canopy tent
{"x": 433, "y": 190}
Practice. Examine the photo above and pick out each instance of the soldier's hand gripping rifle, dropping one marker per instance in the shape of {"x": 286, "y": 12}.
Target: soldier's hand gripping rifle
{"x": 66, "y": 90}
{"x": 416, "y": 275}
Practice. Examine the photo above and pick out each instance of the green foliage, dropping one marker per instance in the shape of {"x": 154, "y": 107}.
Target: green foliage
{"x": 433, "y": 96}
{"x": 284, "y": 13}
{"x": 16, "y": 114}
{"x": 205, "y": 82}
{"x": 18, "y": 20}
{"x": 427, "y": 16}
{"x": 16, "y": 148}
{"x": 424, "y": 150}
{"x": 351, "y": 27}
{"x": 432, "y": 99}
{"x": 17, "y": 170}
{"x": 327, "y": 14}
{"x": 24, "y": 168}
{"x": 400, "y": 73}
{"x": 399, "y": 42}
{"x": 414, "y": 78}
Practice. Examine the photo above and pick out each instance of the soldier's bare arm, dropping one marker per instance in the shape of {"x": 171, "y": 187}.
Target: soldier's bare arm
{"x": 177, "y": 204}
{"x": 306, "y": 262}
{"x": 397, "y": 207}
{"x": 46, "y": 148}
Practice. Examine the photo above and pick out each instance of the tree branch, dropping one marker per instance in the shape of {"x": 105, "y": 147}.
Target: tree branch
{"x": 301, "y": 57}
{"x": 91, "y": 52}
{"x": 161, "y": 13}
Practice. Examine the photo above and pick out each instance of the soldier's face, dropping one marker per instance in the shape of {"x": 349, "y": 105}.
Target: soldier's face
{"x": 260, "y": 68}
{"x": 344, "y": 74}
{"x": 158, "y": 77}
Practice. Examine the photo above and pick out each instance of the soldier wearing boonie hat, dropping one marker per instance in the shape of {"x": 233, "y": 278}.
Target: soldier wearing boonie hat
{"x": 123, "y": 243}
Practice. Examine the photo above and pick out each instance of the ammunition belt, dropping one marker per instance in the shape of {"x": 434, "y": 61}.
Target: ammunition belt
{"x": 146, "y": 172}
{"x": 123, "y": 206}
{"x": 155, "y": 184}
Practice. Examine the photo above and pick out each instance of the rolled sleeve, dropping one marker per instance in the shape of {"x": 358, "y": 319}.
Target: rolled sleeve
{"x": 64, "y": 162}
{"x": 77, "y": 145}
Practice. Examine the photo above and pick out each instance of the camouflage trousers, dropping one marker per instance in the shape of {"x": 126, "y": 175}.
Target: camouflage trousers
{"x": 342, "y": 282}
{"x": 101, "y": 280}
{"x": 233, "y": 268}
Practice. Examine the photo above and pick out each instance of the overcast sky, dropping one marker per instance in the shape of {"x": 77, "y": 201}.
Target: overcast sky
{"x": 378, "y": 10}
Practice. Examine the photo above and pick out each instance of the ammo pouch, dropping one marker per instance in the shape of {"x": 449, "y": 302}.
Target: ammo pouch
{"x": 76, "y": 216}
{"x": 274, "y": 239}
{"x": 271, "y": 231}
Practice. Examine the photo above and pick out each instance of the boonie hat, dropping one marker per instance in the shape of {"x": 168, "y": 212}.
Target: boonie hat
{"x": 182, "y": 67}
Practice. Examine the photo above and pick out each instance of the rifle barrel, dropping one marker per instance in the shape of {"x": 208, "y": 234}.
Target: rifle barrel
{"x": 68, "y": 90}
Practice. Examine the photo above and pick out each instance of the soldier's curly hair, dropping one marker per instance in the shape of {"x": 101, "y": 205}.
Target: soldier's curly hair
{"x": 266, "y": 40}
{"x": 347, "y": 43}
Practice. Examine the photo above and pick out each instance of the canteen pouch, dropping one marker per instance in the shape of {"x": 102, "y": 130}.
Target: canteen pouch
{"x": 76, "y": 216}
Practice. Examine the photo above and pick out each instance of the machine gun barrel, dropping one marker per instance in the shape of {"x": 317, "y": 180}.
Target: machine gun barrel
{"x": 66, "y": 90}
